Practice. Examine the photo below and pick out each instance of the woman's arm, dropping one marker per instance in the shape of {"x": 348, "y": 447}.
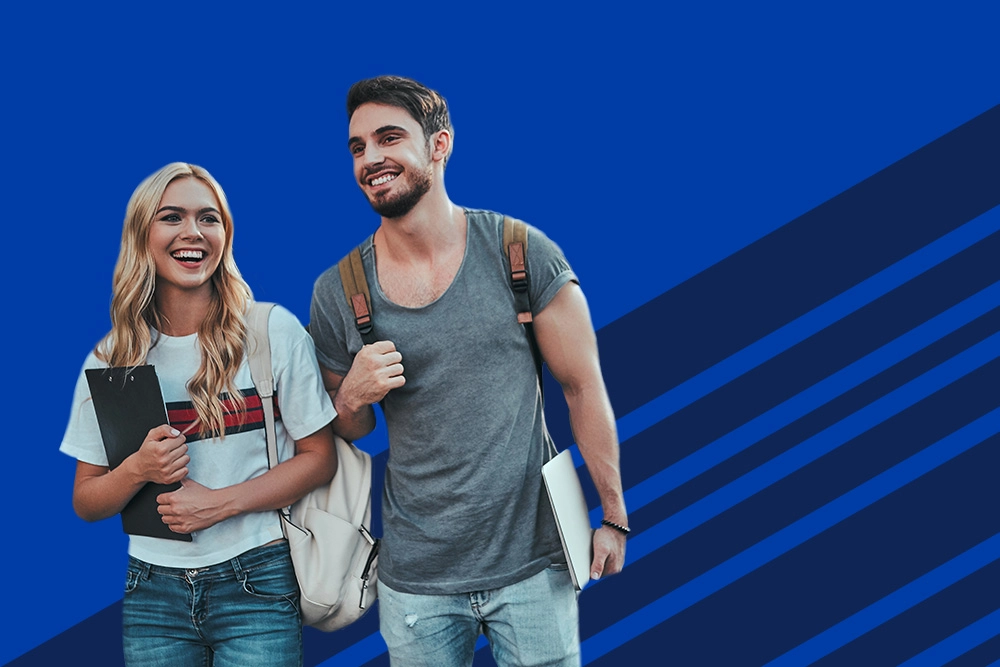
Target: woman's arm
{"x": 99, "y": 492}
{"x": 196, "y": 507}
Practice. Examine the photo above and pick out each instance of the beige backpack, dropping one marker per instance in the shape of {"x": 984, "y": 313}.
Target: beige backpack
{"x": 334, "y": 554}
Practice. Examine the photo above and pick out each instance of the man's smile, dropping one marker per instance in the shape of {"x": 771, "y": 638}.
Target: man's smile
{"x": 381, "y": 180}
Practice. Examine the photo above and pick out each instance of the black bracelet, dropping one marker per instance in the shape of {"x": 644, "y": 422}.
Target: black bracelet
{"x": 624, "y": 530}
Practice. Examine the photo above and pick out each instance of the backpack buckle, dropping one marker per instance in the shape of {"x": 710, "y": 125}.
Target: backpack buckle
{"x": 518, "y": 272}
{"x": 362, "y": 316}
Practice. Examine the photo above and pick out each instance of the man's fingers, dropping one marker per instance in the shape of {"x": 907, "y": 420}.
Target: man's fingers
{"x": 608, "y": 555}
{"x": 383, "y": 346}
{"x": 601, "y": 553}
{"x": 597, "y": 567}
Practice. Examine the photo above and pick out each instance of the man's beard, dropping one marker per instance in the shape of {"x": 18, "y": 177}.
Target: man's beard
{"x": 403, "y": 202}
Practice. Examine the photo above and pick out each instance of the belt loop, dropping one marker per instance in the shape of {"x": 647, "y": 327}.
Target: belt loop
{"x": 144, "y": 569}
{"x": 237, "y": 567}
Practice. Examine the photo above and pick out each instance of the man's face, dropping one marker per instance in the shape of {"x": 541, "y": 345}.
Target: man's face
{"x": 392, "y": 160}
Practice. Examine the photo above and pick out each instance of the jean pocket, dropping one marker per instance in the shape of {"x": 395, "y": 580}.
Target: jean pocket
{"x": 132, "y": 577}
{"x": 272, "y": 580}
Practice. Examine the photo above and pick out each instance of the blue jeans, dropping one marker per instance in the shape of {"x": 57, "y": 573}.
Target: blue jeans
{"x": 244, "y": 611}
{"x": 530, "y": 623}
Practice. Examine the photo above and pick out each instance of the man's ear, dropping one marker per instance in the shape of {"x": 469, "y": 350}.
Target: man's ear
{"x": 441, "y": 145}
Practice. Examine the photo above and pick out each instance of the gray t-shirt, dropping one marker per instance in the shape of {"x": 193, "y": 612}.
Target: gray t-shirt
{"x": 463, "y": 507}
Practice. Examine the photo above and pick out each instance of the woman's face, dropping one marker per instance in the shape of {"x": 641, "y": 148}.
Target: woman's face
{"x": 186, "y": 237}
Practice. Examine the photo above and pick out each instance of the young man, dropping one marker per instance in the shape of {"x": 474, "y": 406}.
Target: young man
{"x": 469, "y": 541}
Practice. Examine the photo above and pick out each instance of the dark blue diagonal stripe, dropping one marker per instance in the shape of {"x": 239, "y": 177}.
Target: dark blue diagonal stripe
{"x": 959, "y": 643}
{"x": 789, "y": 537}
{"x": 806, "y": 262}
{"x": 894, "y": 604}
{"x": 822, "y": 443}
{"x": 808, "y": 324}
{"x": 358, "y": 653}
{"x": 814, "y": 447}
{"x": 785, "y": 413}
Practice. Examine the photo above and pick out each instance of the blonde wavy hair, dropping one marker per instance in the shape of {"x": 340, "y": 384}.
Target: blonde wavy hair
{"x": 134, "y": 316}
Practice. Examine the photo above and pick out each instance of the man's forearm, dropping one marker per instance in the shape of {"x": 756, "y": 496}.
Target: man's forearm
{"x": 353, "y": 420}
{"x": 593, "y": 424}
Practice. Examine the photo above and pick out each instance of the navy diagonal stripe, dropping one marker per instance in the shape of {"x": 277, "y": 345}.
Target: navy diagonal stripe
{"x": 786, "y": 539}
{"x": 763, "y": 512}
{"x": 814, "y": 587}
{"x": 958, "y": 644}
{"x": 806, "y": 262}
{"x": 710, "y": 506}
{"x": 916, "y": 591}
{"x": 809, "y": 323}
{"x": 795, "y": 407}
{"x": 817, "y": 446}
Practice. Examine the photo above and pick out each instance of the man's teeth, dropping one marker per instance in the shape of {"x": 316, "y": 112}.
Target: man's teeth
{"x": 189, "y": 254}
{"x": 382, "y": 179}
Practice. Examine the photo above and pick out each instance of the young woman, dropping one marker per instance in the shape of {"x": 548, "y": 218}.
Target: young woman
{"x": 228, "y": 596}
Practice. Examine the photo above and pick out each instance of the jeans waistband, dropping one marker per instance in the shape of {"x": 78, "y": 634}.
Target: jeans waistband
{"x": 248, "y": 560}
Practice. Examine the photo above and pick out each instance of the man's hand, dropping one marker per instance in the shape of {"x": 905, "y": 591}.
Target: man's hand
{"x": 377, "y": 369}
{"x": 609, "y": 552}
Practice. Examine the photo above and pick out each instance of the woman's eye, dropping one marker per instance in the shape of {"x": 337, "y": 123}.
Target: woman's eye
{"x": 210, "y": 218}
{"x": 172, "y": 217}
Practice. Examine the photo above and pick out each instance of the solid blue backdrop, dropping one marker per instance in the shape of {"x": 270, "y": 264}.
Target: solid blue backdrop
{"x": 649, "y": 140}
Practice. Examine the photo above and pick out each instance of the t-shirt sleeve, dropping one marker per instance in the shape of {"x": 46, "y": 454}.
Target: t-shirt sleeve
{"x": 329, "y": 324}
{"x": 82, "y": 439}
{"x": 302, "y": 399}
{"x": 548, "y": 269}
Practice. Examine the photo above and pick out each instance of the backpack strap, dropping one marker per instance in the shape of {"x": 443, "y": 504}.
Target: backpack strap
{"x": 515, "y": 244}
{"x": 259, "y": 358}
{"x": 352, "y": 275}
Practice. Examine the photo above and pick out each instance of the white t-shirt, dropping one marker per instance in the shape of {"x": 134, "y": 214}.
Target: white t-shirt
{"x": 303, "y": 407}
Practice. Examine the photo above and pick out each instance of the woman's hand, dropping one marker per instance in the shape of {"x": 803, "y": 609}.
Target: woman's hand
{"x": 99, "y": 493}
{"x": 192, "y": 507}
{"x": 163, "y": 457}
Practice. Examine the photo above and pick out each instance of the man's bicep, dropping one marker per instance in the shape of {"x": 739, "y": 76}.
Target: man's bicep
{"x": 566, "y": 337}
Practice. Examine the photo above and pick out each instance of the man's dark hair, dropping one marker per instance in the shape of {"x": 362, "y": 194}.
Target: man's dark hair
{"x": 426, "y": 106}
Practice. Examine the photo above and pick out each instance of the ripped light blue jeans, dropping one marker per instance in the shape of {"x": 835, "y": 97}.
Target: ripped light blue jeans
{"x": 528, "y": 624}
{"x": 244, "y": 611}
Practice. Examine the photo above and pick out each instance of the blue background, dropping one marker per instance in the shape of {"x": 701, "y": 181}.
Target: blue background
{"x": 774, "y": 265}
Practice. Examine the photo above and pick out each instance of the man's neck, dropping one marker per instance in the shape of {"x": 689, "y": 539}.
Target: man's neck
{"x": 435, "y": 226}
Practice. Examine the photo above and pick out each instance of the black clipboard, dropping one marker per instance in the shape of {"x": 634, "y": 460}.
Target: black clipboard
{"x": 129, "y": 403}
